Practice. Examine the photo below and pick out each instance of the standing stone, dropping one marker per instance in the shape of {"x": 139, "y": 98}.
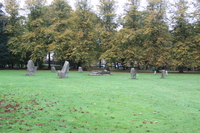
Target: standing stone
{"x": 35, "y": 69}
{"x": 163, "y": 74}
{"x": 64, "y": 72}
{"x": 53, "y": 69}
{"x": 133, "y": 73}
{"x": 154, "y": 72}
{"x": 80, "y": 69}
{"x": 30, "y": 68}
{"x": 166, "y": 73}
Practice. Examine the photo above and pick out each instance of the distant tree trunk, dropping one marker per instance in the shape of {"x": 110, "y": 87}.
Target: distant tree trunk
{"x": 79, "y": 64}
{"x": 99, "y": 63}
{"x": 157, "y": 69}
{"x": 124, "y": 67}
{"x": 138, "y": 66}
{"x": 12, "y": 65}
{"x": 115, "y": 65}
{"x": 180, "y": 68}
{"x": 38, "y": 64}
{"x": 49, "y": 61}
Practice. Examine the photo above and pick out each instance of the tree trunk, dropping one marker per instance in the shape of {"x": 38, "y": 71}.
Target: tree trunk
{"x": 180, "y": 69}
{"x": 49, "y": 61}
{"x": 99, "y": 63}
{"x": 157, "y": 69}
{"x": 38, "y": 64}
{"x": 79, "y": 64}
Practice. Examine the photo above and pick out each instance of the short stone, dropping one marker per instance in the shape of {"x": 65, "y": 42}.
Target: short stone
{"x": 163, "y": 74}
{"x": 133, "y": 73}
{"x": 80, "y": 69}
{"x": 154, "y": 72}
{"x": 53, "y": 69}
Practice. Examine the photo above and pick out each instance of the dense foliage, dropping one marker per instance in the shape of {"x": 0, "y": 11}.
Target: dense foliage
{"x": 153, "y": 37}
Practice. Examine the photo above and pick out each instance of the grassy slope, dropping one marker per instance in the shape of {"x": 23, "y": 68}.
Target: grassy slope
{"x": 83, "y": 103}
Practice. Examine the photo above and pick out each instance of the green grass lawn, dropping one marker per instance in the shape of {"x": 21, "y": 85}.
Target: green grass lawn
{"x": 99, "y": 104}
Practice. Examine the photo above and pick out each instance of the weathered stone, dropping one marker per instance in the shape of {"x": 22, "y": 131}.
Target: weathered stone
{"x": 80, "y": 69}
{"x": 53, "y": 69}
{"x": 133, "y": 73}
{"x": 154, "y": 72}
{"x": 64, "y": 72}
{"x": 59, "y": 72}
{"x": 105, "y": 72}
{"x": 35, "y": 69}
{"x": 30, "y": 68}
{"x": 99, "y": 72}
{"x": 166, "y": 73}
{"x": 163, "y": 74}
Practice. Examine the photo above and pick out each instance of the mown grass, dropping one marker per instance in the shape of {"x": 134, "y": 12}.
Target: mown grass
{"x": 99, "y": 104}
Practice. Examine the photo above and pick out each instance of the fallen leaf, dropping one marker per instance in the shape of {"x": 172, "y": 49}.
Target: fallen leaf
{"x": 63, "y": 126}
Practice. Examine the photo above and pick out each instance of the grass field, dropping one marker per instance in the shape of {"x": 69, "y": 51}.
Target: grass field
{"x": 43, "y": 103}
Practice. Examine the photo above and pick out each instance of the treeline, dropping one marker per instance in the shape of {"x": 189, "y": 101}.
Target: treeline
{"x": 164, "y": 34}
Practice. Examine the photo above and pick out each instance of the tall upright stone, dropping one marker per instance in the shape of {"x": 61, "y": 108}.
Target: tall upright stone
{"x": 30, "y": 68}
{"x": 163, "y": 74}
{"x": 80, "y": 69}
{"x": 133, "y": 73}
{"x": 65, "y": 69}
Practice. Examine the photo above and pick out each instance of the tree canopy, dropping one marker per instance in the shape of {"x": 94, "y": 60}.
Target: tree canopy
{"x": 156, "y": 36}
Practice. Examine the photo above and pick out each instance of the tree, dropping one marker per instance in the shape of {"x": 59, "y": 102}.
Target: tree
{"x": 157, "y": 40}
{"x": 14, "y": 30}
{"x": 59, "y": 13}
{"x": 194, "y": 40}
{"x": 85, "y": 38}
{"x": 108, "y": 30}
{"x": 185, "y": 49}
{"x": 4, "y": 54}
{"x": 132, "y": 38}
{"x": 34, "y": 39}
{"x": 196, "y": 36}
{"x": 56, "y": 19}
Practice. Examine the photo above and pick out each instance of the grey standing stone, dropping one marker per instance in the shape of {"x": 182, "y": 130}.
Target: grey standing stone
{"x": 59, "y": 72}
{"x": 64, "y": 72}
{"x": 80, "y": 69}
{"x": 166, "y": 73}
{"x": 30, "y": 68}
{"x": 163, "y": 74}
{"x": 35, "y": 68}
{"x": 154, "y": 72}
{"x": 53, "y": 69}
{"x": 133, "y": 73}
